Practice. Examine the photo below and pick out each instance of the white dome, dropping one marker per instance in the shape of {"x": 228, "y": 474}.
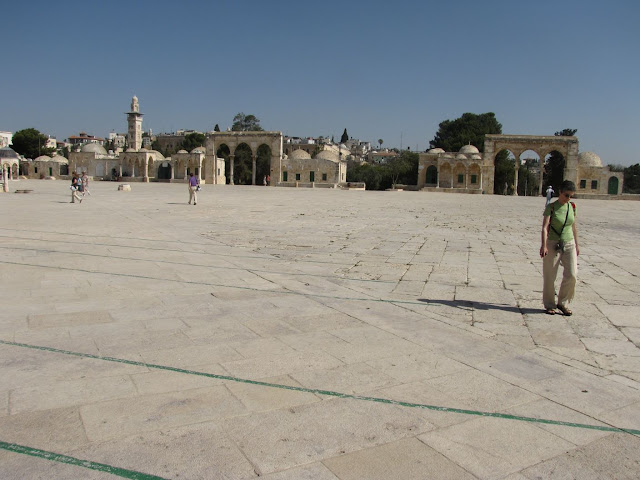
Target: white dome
{"x": 157, "y": 154}
{"x": 469, "y": 149}
{"x": 299, "y": 155}
{"x": 199, "y": 150}
{"x": 476, "y": 156}
{"x": 461, "y": 156}
{"x": 327, "y": 155}
{"x": 435, "y": 150}
{"x": 42, "y": 158}
{"x": 182, "y": 151}
{"x": 589, "y": 159}
{"x": 93, "y": 148}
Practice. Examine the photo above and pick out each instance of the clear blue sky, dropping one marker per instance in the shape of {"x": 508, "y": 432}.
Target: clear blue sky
{"x": 385, "y": 70}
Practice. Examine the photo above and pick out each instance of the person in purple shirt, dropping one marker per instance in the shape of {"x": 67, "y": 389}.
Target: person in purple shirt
{"x": 193, "y": 188}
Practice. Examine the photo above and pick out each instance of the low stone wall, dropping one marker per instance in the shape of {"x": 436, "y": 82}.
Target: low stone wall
{"x": 475, "y": 191}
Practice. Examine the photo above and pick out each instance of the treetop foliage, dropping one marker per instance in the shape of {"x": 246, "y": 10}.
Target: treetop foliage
{"x": 470, "y": 128}
{"x": 30, "y": 143}
{"x": 246, "y": 123}
{"x": 344, "y": 137}
{"x": 567, "y": 132}
{"x": 193, "y": 140}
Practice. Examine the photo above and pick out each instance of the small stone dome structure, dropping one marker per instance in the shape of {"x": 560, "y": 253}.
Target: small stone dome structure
{"x": 59, "y": 159}
{"x": 589, "y": 159}
{"x": 93, "y": 148}
{"x": 42, "y": 158}
{"x": 436, "y": 150}
{"x": 158, "y": 155}
{"x": 461, "y": 156}
{"x": 327, "y": 155}
{"x": 143, "y": 150}
{"x": 299, "y": 155}
{"x": 182, "y": 151}
{"x": 199, "y": 150}
{"x": 469, "y": 149}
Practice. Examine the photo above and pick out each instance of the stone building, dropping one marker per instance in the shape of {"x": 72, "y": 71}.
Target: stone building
{"x": 455, "y": 171}
{"x": 469, "y": 171}
{"x": 46, "y": 167}
{"x": 323, "y": 170}
{"x": 594, "y": 179}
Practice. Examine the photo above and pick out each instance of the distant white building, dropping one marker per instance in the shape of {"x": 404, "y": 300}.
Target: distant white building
{"x": 5, "y": 139}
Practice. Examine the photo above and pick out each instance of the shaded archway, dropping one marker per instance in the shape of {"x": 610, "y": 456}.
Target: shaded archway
{"x": 432, "y": 175}
{"x": 164, "y": 171}
{"x": 529, "y": 173}
{"x": 243, "y": 165}
{"x": 554, "y": 166}
{"x": 504, "y": 172}
{"x": 263, "y": 163}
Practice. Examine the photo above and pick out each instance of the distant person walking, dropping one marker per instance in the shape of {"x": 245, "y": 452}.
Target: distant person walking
{"x": 550, "y": 193}
{"x": 268, "y": 179}
{"x": 264, "y": 181}
{"x": 193, "y": 188}
{"x": 85, "y": 184}
{"x": 560, "y": 247}
{"x": 74, "y": 189}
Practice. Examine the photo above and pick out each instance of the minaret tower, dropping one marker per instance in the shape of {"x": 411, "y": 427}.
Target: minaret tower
{"x": 134, "y": 119}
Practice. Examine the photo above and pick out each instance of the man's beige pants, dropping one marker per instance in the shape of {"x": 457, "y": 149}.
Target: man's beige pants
{"x": 192, "y": 195}
{"x": 550, "y": 264}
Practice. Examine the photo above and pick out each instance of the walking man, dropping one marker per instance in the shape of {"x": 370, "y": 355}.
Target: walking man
{"x": 549, "y": 195}
{"x": 193, "y": 188}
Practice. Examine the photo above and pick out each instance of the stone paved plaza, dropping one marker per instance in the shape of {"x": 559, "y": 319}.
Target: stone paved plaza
{"x": 311, "y": 334}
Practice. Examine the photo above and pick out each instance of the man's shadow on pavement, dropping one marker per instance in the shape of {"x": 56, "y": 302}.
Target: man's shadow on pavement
{"x": 470, "y": 305}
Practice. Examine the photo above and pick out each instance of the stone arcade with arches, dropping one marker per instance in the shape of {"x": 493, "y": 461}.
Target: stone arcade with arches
{"x": 253, "y": 140}
{"x": 469, "y": 171}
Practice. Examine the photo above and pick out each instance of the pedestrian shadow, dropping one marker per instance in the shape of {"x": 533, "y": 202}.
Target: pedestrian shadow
{"x": 470, "y": 305}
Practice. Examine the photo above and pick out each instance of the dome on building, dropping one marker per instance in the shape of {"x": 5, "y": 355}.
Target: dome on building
{"x": 182, "y": 151}
{"x": 476, "y": 156}
{"x": 93, "y": 148}
{"x": 158, "y": 155}
{"x": 143, "y": 150}
{"x": 589, "y": 159}
{"x": 199, "y": 150}
{"x": 6, "y": 152}
{"x": 461, "y": 156}
{"x": 299, "y": 155}
{"x": 327, "y": 155}
{"x": 42, "y": 158}
{"x": 435, "y": 150}
{"x": 59, "y": 159}
{"x": 469, "y": 149}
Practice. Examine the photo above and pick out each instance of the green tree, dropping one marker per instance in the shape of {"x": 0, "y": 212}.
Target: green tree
{"x": 404, "y": 168}
{"x": 344, "y": 137}
{"x": 216, "y": 128}
{"x": 193, "y": 140}
{"x": 469, "y": 128}
{"x": 631, "y": 183}
{"x": 567, "y": 132}
{"x": 380, "y": 142}
{"x": 246, "y": 123}
{"x": 31, "y": 143}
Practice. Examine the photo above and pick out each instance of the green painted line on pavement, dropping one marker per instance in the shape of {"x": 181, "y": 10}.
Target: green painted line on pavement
{"x": 330, "y": 393}
{"x": 56, "y": 457}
